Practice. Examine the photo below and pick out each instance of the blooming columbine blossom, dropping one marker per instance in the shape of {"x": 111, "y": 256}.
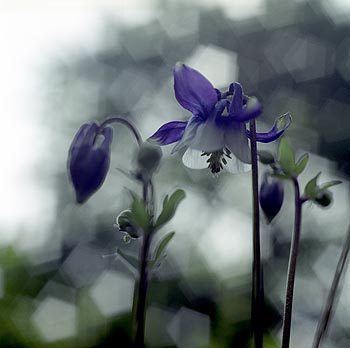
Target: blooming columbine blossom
{"x": 215, "y": 136}
{"x": 89, "y": 158}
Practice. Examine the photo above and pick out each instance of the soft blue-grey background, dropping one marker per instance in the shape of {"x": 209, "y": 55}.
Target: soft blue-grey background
{"x": 64, "y": 63}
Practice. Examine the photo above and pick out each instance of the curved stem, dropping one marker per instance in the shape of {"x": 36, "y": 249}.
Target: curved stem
{"x": 324, "y": 320}
{"x": 126, "y": 123}
{"x": 287, "y": 316}
{"x": 257, "y": 274}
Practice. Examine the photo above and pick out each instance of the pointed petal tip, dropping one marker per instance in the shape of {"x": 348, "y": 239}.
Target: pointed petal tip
{"x": 279, "y": 127}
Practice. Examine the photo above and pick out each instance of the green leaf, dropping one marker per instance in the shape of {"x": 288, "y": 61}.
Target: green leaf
{"x": 169, "y": 207}
{"x": 131, "y": 260}
{"x": 311, "y": 188}
{"x": 301, "y": 164}
{"x": 329, "y": 184}
{"x": 162, "y": 245}
{"x": 286, "y": 157}
{"x": 139, "y": 213}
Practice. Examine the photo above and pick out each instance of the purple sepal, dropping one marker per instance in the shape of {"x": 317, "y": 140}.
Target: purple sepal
{"x": 89, "y": 159}
{"x": 193, "y": 91}
{"x": 252, "y": 109}
{"x": 169, "y": 133}
{"x": 280, "y": 125}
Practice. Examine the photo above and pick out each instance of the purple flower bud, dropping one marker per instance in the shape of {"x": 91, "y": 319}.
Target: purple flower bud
{"x": 271, "y": 197}
{"x": 88, "y": 159}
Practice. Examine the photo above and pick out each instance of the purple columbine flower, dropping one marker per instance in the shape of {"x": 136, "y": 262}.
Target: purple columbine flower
{"x": 215, "y": 136}
{"x": 271, "y": 196}
{"x": 89, "y": 158}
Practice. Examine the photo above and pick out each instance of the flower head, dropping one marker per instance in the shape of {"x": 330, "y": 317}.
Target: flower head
{"x": 89, "y": 158}
{"x": 215, "y": 136}
{"x": 271, "y": 196}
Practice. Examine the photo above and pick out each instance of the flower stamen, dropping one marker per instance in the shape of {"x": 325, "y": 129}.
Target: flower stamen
{"x": 217, "y": 160}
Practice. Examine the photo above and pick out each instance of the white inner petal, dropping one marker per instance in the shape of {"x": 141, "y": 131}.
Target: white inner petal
{"x": 235, "y": 166}
{"x": 194, "y": 159}
{"x": 208, "y": 137}
{"x": 237, "y": 142}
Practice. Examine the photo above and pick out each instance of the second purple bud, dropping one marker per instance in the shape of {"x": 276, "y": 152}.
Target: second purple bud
{"x": 271, "y": 196}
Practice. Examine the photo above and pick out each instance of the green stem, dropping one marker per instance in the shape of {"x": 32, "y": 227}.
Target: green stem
{"x": 142, "y": 286}
{"x": 126, "y": 123}
{"x": 142, "y": 293}
{"x": 257, "y": 274}
{"x": 287, "y": 316}
{"x": 326, "y": 315}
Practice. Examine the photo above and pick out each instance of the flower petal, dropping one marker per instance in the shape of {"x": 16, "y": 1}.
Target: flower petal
{"x": 280, "y": 125}
{"x": 85, "y": 136}
{"x": 205, "y": 136}
{"x": 194, "y": 159}
{"x": 235, "y": 166}
{"x": 193, "y": 91}
{"x": 237, "y": 99}
{"x": 169, "y": 133}
{"x": 236, "y": 141}
{"x": 251, "y": 110}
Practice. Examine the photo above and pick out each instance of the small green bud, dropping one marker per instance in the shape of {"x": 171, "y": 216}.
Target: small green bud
{"x": 266, "y": 157}
{"x": 148, "y": 159}
{"x": 324, "y": 198}
{"x": 125, "y": 224}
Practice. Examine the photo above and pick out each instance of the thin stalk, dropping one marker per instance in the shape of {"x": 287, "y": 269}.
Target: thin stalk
{"x": 142, "y": 293}
{"x": 126, "y": 123}
{"x": 257, "y": 273}
{"x": 142, "y": 286}
{"x": 287, "y": 315}
{"x": 326, "y": 315}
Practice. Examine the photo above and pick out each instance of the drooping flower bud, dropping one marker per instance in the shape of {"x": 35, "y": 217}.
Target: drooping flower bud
{"x": 271, "y": 196}
{"x": 89, "y": 159}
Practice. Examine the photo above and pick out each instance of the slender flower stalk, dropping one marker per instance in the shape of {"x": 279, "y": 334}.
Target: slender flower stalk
{"x": 287, "y": 316}
{"x": 142, "y": 292}
{"x": 326, "y": 315}
{"x": 257, "y": 274}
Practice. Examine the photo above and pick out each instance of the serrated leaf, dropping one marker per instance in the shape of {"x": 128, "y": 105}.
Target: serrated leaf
{"x": 139, "y": 213}
{"x": 169, "y": 207}
{"x": 301, "y": 164}
{"x": 131, "y": 260}
{"x": 311, "y": 187}
{"x": 162, "y": 245}
{"x": 286, "y": 157}
{"x": 329, "y": 184}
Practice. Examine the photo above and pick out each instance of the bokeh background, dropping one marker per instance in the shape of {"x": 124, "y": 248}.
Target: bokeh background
{"x": 63, "y": 63}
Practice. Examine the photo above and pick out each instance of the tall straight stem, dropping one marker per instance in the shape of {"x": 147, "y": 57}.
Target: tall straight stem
{"x": 141, "y": 293}
{"x": 326, "y": 315}
{"x": 257, "y": 273}
{"x": 141, "y": 290}
{"x": 288, "y": 306}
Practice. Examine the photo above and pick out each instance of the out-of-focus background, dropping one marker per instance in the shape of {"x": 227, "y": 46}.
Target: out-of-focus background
{"x": 63, "y": 63}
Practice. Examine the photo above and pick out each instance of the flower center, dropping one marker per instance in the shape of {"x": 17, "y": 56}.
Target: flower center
{"x": 217, "y": 160}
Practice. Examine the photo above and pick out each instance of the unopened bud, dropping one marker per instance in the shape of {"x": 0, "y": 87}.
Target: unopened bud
{"x": 88, "y": 159}
{"x": 148, "y": 159}
{"x": 271, "y": 197}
